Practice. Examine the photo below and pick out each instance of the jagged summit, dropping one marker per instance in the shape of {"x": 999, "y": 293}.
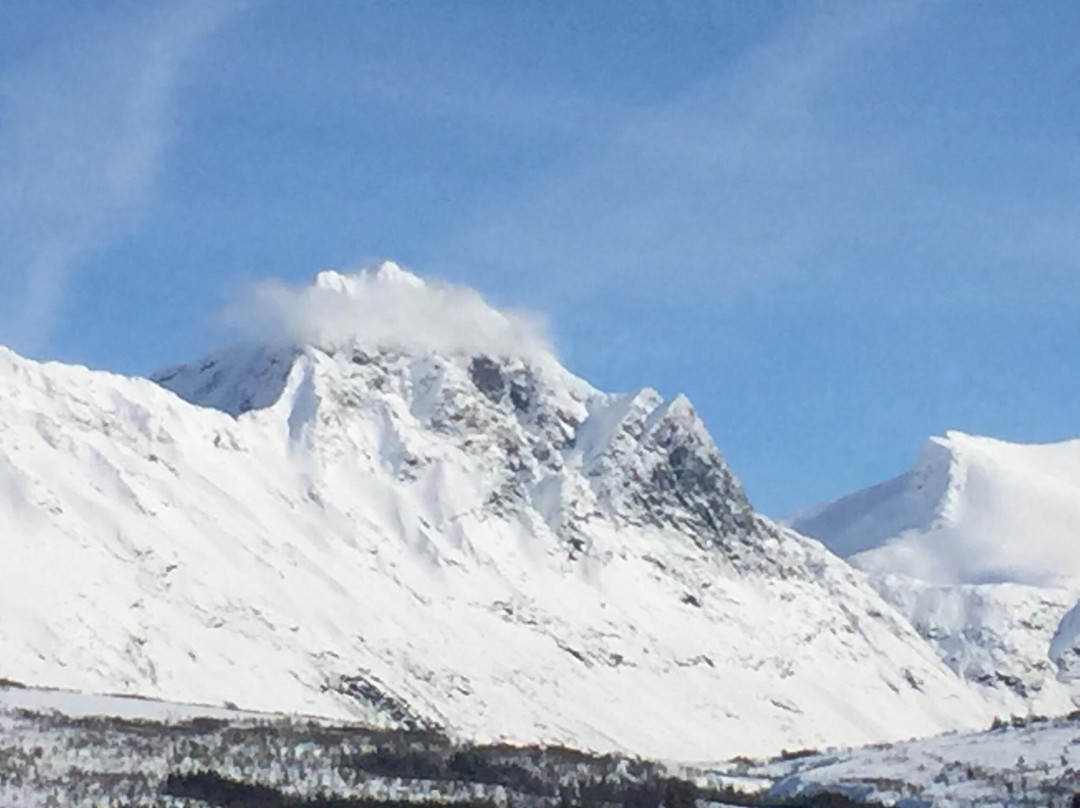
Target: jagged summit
{"x": 644, "y": 459}
{"x": 548, "y": 440}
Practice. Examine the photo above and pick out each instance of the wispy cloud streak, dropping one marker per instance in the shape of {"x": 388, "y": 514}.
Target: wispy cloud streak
{"x": 760, "y": 178}
{"x": 83, "y": 133}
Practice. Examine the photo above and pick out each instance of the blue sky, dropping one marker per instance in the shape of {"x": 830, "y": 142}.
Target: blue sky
{"x": 838, "y": 227}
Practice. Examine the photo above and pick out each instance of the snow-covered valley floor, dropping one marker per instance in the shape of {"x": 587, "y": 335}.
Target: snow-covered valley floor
{"x": 1023, "y": 762}
{"x": 73, "y": 749}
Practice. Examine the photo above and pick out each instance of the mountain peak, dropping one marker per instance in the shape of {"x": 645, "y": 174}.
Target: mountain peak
{"x": 384, "y": 317}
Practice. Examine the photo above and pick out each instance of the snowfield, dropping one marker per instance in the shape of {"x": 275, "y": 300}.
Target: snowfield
{"x": 427, "y": 530}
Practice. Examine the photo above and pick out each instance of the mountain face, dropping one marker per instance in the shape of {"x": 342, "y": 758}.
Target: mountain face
{"x": 979, "y": 546}
{"x": 408, "y": 528}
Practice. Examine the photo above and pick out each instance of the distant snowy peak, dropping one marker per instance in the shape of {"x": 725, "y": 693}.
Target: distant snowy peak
{"x": 979, "y": 546}
{"x": 971, "y": 510}
{"x": 868, "y": 518}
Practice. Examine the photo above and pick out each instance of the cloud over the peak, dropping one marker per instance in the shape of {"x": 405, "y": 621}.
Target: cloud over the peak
{"x": 385, "y": 308}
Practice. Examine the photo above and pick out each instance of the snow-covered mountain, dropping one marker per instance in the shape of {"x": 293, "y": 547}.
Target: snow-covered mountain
{"x": 402, "y": 508}
{"x": 972, "y": 510}
{"x": 979, "y": 545}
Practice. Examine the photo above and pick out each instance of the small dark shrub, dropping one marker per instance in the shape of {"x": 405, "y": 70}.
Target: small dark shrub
{"x": 794, "y": 754}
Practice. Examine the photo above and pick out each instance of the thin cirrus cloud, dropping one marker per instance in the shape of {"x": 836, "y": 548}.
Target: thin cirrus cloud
{"x": 85, "y": 131}
{"x": 761, "y": 180}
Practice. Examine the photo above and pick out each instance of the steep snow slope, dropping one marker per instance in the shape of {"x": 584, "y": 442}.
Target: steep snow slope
{"x": 979, "y": 544}
{"x": 405, "y": 530}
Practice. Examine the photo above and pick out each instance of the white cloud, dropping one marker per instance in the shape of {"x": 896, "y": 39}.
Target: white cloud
{"x": 386, "y": 308}
{"x": 86, "y": 128}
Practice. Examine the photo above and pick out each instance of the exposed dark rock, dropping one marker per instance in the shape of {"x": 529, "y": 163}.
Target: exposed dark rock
{"x": 690, "y": 486}
{"x": 488, "y": 377}
{"x": 521, "y": 395}
{"x": 364, "y": 690}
